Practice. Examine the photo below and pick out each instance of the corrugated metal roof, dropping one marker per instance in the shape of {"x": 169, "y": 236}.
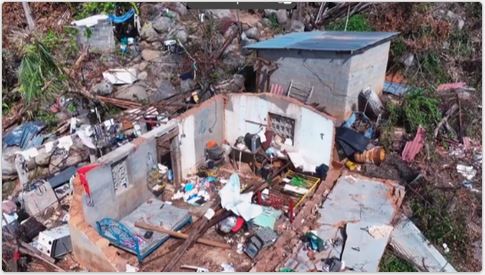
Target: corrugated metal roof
{"x": 349, "y": 42}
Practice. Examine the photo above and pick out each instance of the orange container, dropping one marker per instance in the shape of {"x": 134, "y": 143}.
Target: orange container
{"x": 375, "y": 155}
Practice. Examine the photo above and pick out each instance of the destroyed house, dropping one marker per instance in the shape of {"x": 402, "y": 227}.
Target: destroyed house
{"x": 119, "y": 183}
{"x": 327, "y": 68}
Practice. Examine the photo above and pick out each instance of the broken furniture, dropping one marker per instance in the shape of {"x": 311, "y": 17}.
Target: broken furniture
{"x": 125, "y": 235}
{"x": 55, "y": 242}
{"x": 295, "y": 90}
{"x": 290, "y": 193}
{"x": 40, "y": 197}
{"x": 263, "y": 237}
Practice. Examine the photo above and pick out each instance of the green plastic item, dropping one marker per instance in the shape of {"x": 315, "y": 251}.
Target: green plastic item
{"x": 298, "y": 181}
{"x": 286, "y": 269}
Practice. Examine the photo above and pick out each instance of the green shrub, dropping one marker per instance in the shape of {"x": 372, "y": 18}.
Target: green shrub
{"x": 391, "y": 263}
{"x": 420, "y": 108}
{"x": 440, "y": 225}
{"x": 357, "y": 23}
{"x": 39, "y": 74}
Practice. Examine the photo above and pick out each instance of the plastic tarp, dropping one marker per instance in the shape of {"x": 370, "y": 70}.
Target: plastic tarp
{"x": 239, "y": 204}
{"x": 122, "y": 18}
{"x": 25, "y": 135}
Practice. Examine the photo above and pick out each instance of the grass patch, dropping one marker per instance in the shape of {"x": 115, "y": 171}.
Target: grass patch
{"x": 357, "y": 23}
{"x": 432, "y": 216}
{"x": 434, "y": 71}
{"x": 421, "y": 108}
{"x": 48, "y": 118}
{"x": 391, "y": 263}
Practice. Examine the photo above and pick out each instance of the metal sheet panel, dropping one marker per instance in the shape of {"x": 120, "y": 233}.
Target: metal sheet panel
{"x": 347, "y": 42}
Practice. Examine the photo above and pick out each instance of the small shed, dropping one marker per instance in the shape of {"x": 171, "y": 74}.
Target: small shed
{"x": 332, "y": 68}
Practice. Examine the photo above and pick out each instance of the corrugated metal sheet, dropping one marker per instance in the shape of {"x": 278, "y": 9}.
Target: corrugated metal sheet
{"x": 412, "y": 148}
{"x": 349, "y": 42}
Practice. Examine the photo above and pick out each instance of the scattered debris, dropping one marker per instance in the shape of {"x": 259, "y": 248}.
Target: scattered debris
{"x": 412, "y": 148}
{"x": 466, "y": 171}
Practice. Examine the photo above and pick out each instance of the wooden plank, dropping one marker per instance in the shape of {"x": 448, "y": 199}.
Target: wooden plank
{"x": 180, "y": 235}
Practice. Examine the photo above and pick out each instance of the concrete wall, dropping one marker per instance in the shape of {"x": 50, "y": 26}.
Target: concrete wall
{"x": 368, "y": 70}
{"x": 337, "y": 78}
{"x": 196, "y": 127}
{"x": 106, "y": 202}
{"x": 314, "y": 132}
{"x": 87, "y": 253}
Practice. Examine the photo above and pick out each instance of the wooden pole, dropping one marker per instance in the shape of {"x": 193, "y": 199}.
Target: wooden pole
{"x": 160, "y": 229}
{"x": 28, "y": 16}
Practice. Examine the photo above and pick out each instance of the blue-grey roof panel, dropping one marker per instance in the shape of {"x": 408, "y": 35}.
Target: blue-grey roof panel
{"x": 325, "y": 41}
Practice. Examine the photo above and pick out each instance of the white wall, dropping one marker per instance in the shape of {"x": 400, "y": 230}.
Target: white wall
{"x": 309, "y": 125}
{"x": 196, "y": 127}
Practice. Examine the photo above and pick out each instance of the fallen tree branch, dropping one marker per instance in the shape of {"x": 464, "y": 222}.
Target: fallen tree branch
{"x": 122, "y": 103}
{"x": 18, "y": 111}
{"x": 444, "y": 120}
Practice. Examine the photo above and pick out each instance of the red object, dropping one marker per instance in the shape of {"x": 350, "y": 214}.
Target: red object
{"x": 238, "y": 226}
{"x": 412, "y": 148}
{"x": 278, "y": 202}
{"x": 16, "y": 255}
{"x": 277, "y": 89}
{"x": 211, "y": 144}
{"x": 451, "y": 86}
{"x": 82, "y": 176}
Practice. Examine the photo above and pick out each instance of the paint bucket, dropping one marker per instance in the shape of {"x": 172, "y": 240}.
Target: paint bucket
{"x": 375, "y": 155}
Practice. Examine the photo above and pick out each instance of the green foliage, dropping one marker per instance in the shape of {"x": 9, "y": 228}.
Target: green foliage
{"x": 92, "y": 8}
{"x": 48, "y": 118}
{"x": 274, "y": 22}
{"x": 357, "y": 23}
{"x": 420, "y": 108}
{"x": 5, "y": 108}
{"x": 39, "y": 74}
{"x": 438, "y": 223}
{"x": 63, "y": 43}
{"x": 433, "y": 68}
{"x": 87, "y": 9}
{"x": 461, "y": 44}
{"x": 398, "y": 48}
{"x": 394, "y": 118}
{"x": 391, "y": 263}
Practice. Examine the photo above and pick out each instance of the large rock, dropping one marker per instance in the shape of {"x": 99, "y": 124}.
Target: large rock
{"x": 132, "y": 92}
{"x": 165, "y": 90}
{"x": 187, "y": 85}
{"x": 297, "y": 26}
{"x": 103, "y": 88}
{"x": 245, "y": 40}
{"x": 150, "y": 55}
{"x": 163, "y": 24}
{"x": 282, "y": 16}
{"x": 148, "y": 33}
{"x": 269, "y": 12}
{"x": 252, "y": 33}
{"x": 220, "y": 14}
{"x": 178, "y": 7}
{"x": 407, "y": 59}
{"x": 8, "y": 160}
{"x": 182, "y": 36}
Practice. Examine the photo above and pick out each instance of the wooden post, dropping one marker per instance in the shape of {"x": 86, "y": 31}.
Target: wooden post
{"x": 160, "y": 229}
{"x": 28, "y": 16}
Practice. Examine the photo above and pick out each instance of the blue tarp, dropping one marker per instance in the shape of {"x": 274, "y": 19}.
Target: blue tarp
{"x": 369, "y": 133}
{"x": 122, "y": 18}
{"x": 25, "y": 135}
{"x": 395, "y": 88}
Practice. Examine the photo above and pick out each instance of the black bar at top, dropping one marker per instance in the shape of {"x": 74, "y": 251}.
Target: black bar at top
{"x": 241, "y": 5}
